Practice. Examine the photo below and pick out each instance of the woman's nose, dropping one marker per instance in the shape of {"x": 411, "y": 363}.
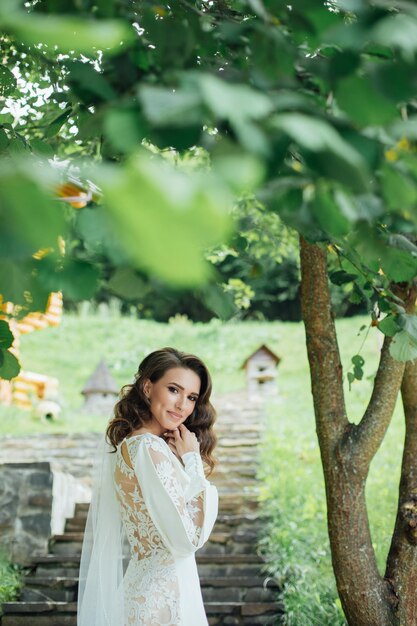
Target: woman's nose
{"x": 179, "y": 402}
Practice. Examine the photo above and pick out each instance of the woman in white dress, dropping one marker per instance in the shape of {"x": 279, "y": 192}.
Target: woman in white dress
{"x": 150, "y": 487}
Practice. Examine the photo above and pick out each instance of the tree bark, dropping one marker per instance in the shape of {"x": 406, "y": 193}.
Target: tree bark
{"x": 347, "y": 450}
{"x": 402, "y": 557}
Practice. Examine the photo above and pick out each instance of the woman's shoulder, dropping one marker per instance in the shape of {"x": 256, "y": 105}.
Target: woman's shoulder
{"x": 147, "y": 439}
{"x": 142, "y": 434}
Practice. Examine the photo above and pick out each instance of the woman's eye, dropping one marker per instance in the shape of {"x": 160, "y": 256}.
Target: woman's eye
{"x": 172, "y": 388}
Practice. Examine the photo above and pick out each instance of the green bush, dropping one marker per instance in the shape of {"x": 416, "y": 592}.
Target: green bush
{"x": 10, "y": 580}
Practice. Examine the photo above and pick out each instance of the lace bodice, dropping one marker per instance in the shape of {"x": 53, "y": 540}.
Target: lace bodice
{"x": 143, "y": 535}
{"x": 168, "y": 511}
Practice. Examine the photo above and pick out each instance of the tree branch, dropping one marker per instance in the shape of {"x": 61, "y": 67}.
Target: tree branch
{"x": 322, "y": 347}
{"x": 367, "y": 436}
{"x": 402, "y": 557}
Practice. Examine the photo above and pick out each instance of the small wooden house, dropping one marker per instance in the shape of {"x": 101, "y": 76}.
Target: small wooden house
{"x": 100, "y": 391}
{"x": 260, "y": 368}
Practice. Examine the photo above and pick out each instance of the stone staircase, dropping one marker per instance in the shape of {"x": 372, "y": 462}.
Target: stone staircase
{"x": 236, "y": 592}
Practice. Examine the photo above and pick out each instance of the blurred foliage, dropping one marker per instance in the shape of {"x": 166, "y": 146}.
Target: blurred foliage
{"x": 186, "y": 113}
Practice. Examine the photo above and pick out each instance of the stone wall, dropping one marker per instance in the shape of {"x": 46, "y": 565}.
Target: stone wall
{"x": 25, "y": 509}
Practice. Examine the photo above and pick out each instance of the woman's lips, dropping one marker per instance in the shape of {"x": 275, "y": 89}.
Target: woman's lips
{"x": 175, "y": 415}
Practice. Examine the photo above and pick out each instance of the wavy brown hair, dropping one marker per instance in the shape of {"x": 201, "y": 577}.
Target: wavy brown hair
{"x": 132, "y": 411}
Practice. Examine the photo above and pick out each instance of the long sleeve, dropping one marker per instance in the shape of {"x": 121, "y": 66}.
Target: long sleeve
{"x": 184, "y": 518}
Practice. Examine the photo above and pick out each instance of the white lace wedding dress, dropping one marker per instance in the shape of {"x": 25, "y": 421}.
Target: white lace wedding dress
{"x": 168, "y": 511}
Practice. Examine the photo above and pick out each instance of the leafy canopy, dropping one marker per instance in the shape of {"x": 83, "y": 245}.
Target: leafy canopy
{"x": 310, "y": 107}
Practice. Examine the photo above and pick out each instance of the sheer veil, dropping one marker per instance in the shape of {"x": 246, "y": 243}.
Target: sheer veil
{"x": 100, "y": 588}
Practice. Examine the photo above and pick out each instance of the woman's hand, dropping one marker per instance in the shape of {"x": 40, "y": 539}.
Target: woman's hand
{"x": 182, "y": 440}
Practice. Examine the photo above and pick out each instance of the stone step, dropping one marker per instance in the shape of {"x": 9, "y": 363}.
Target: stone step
{"x": 223, "y": 522}
{"x": 244, "y": 613}
{"x": 215, "y": 588}
{"x": 208, "y": 565}
{"x": 218, "y": 535}
{"x": 65, "y": 613}
{"x": 56, "y": 565}
{"x": 231, "y": 426}
{"x": 220, "y": 543}
{"x": 241, "y": 442}
{"x": 47, "y": 588}
{"x": 230, "y": 501}
{"x": 39, "y": 614}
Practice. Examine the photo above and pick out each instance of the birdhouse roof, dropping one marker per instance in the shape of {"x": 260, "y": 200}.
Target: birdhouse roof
{"x": 100, "y": 381}
{"x": 263, "y": 348}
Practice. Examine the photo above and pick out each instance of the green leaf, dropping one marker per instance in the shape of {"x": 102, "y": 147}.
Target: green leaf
{"x": 404, "y": 128}
{"x": 342, "y": 64}
{"x": 398, "y": 31}
{"x": 168, "y": 107}
{"x": 358, "y": 372}
{"x": 340, "y": 277}
{"x": 399, "y": 190}
{"x": 218, "y": 301}
{"x": 14, "y": 281}
{"x": 28, "y": 212}
{"x": 166, "y": 218}
{"x": 42, "y": 147}
{"x": 357, "y": 296}
{"x": 6, "y": 335}
{"x": 241, "y": 173}
{"x": 328, "y": 214}
{"x": 17, "y": 146}
{"x": 401, "y": 242}
{"x": 332, "y": 154}
{"x": 86, "y": 78}
{"x": 229, "y": 101}
{"x": 399, "y": 265}
{"x": 271, "y": 55}
{"x": 68, "y": 33}
{"x": 10, "y": 367}
{"x": 408, "y": 323}
{"x": 388, "y": 326}
{"x": 240, "y": 105}
{"x": 358, "y": 360}
{"x": 357, "y": 97}
{"x": 124, "y": 129}
{"x": 8, "y": 82}
{"x": 403, "y": 347}
{"x": 79, "y": 280}
{"x": 97, "y": 231}
{"x": 56, "y": 124}
{"x": 395, "y": 80}
{"x": 173, "y": 37}
{"x": 370, "y": 149}
{"x": 4, "y": 140}
{"x": 126, "y": 284}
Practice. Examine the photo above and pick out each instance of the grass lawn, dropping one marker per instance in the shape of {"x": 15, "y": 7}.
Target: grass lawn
{"x": 292, "y": 476}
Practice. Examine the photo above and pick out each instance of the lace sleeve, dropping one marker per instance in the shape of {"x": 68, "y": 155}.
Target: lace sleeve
{"x": 183, "y": 523}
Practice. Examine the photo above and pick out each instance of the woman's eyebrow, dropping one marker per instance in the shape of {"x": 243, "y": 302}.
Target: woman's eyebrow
{"x": 193, "y": 392}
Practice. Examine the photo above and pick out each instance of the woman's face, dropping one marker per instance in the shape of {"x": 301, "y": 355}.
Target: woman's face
{"x": 172, "y": 398}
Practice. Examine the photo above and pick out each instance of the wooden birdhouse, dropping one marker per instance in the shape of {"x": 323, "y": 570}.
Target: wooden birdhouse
{"x": 100, "y": 391}
{"x": 260, "y": 368}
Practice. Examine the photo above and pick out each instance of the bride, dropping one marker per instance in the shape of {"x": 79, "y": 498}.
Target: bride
{"x": 152, "y": 506}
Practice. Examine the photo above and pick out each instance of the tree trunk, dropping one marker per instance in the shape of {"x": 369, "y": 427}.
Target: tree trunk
{"x": 347, "y": 450}
{"x": 402, "y": 558}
